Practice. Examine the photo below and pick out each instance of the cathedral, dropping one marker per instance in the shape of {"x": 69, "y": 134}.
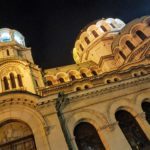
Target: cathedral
{"x": 101, "y": 102}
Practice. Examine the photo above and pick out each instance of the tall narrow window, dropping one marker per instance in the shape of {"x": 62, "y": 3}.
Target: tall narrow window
{"x": 19, "y": 80}
{"x": 130, "y": 45}
{"x": 122, "y": 55}
{"x": 141, "y": 35}
{"x": 6, "y": 84}
{"x": 81, "y": 47}
{"x": 95, "y": 33}
{"x": 87, "y": 40}
{"x": 12, "y": 80}
{"x": 103, "y": 28}
{"x": 36, "y": 83}
{"x": 112, "y": 25}
{"x": 8, "y": 54}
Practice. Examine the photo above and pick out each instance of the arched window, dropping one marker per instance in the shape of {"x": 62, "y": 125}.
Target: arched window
{"x": 49, "y": 83}
{"x": 94, "y": 72}
{"x": 23, "y": 138}
{"x": 130, "y": 45}
{"x": 73, "y": 77}
{"x": 12, "y": 80}
{"x": 19, "y": 80}
{"x": 141, "y": 35}
{"x": 8, "y": 54}
{"x": 95, "y": 33}
{"x": 78, "y": 89}
{"x": 112, "y": 25}
{"x": 116, "y": 79}
{"x": 108, "y": 81}
{"x": 103, "y": 28}
{"x": 87, "y": 40}
{"x": 87, "y": 138}
{"x": 131, "y": 129}
{"x": 61, "y": 80}
{"x": 122, "y": 55}
{"x": 146, "y": 109}
{"x": 6, "y": 84}
{"x": 84, "y": 75}
{"x": 81, "y": 47}
{"x": 86, "y": 87}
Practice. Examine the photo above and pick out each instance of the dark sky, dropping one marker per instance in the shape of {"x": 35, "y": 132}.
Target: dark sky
{"x": 51, "y": 27}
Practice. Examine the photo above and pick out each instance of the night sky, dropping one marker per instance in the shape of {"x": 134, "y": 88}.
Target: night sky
{"x": 50, "y": 28}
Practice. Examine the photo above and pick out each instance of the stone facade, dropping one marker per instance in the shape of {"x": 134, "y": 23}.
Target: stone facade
{"x": 45, "y": 110}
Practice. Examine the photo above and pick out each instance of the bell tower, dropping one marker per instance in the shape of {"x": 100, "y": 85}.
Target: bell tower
{"x": 17, "y": 68}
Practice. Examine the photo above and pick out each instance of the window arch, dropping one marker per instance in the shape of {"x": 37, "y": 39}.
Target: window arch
{"x": 141, "y": 35}
{"x": 87, "y": 40}
{"x": 61, "y": 80}
{"x": 49, "y": 83}
{"x": 130, "y": 45}
{"x": 83, "y": 75}
{"x": 108, "y": 81}
{"x": 73, "y": 77}
{"x": 78, "y": 89}
{"x": 103, "y": 28}
{"x": 94, "y": 72}
{"x": 87, "y": 138}
{"x": 122, "y": 55}
{"x": 19, "y": 80}
{"x": 86, "y": 87}
{"x": 12, "y": 80}
{"x": 6, "y": 84}
{"x": 95, "y": 33}
{"x": 131, "y": 129}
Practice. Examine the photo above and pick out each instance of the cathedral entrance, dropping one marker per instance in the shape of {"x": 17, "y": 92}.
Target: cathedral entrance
{"x": 87, "y": 138}
{"x": 16, "y": 135}
{"x": 132, "y": 131}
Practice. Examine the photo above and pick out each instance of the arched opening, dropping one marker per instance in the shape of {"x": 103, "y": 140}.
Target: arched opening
{"x": 12, "y": 80}
{"x": 49, "y": 83}
{"x": 73, "y": 77}
{"x": 78, "y": 89}
{"x": 83, "y": 75}
{"x": 19, "y": 80}
{"x": 95, "y": 33}
{"x": 116, "y": 79}
{"x": 141, "y": 35}
{"x": 131, "y": 129}
{"x": 130, "y": 45}
{"x": 103, "y": 28}
{"x": 94, "y": 72}
{"x": 122, "y": 55}
{"x": 87, "y": 40}
{"x": 16, "y": 135}
{"x": 6, "y": 84}
{"x": 108, "y": 81}
{"x": 86, "y": 87}
{"x": 61, "y": 80}
{"x": 146, "y": 109}
{"x": 87, "y": 138}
